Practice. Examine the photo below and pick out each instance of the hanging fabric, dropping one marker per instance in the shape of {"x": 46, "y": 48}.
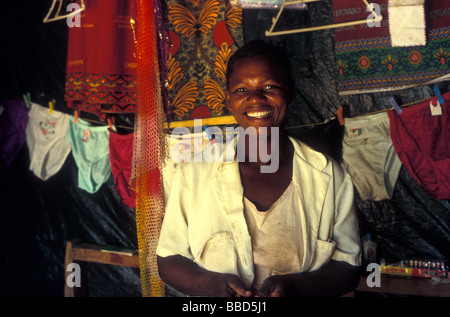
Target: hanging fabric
{"x": 421, "y": 138}
{"x": 369, "y": 156}
{"x": 407, "y": 26}
{"x": 121, "y": 157}
{"x": 148, "y": 158}
{"x": 367, "y": 61}
{"x": 46, "y": 140}
{"x": 204, "y": 34}
{"x": 13, "y": 123}
{"x": 101, "y": 71}
{"x": 90, "y": 149}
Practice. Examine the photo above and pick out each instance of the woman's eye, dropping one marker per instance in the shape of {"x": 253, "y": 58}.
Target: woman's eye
{"x": 268, "y": 87}
{"x": 240, "y": 90}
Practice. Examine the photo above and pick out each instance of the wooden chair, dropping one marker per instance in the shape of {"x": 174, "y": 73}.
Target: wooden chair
{"x": 83, "y": 253}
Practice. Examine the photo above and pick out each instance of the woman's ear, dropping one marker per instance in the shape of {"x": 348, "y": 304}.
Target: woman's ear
{"x": 227, "y": 98}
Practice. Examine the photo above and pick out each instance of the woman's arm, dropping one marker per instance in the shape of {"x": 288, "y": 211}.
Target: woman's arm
{"x": 187, "y": 277}
{"x": 335, "y": 278}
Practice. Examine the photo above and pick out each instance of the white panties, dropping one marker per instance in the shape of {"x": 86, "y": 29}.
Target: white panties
{"x": 46, "y": 141}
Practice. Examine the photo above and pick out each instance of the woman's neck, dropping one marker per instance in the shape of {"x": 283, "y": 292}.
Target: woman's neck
{"x": 273, "y": 149}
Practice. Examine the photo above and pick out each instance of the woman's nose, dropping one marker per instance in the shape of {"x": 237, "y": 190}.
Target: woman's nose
{"x": 256, "y": 95}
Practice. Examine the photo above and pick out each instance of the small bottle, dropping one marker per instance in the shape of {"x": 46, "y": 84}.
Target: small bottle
{"x": 369, "y": 250}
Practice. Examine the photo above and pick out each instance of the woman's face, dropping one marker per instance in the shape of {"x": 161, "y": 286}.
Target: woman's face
{"x": 257, "y": 94}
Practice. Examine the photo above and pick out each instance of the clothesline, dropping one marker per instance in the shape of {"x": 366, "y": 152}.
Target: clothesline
{"x": 297, "y": 126}
{"x": 42, "y": 128}
{"x": 358, "y": 116}
{"x": 103, "y": 123}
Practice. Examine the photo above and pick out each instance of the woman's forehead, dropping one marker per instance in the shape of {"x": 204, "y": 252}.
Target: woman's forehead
{"x": 245, "y": 65}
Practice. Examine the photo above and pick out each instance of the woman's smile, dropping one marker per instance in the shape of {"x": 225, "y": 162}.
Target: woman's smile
{"x": 258, "y": 114}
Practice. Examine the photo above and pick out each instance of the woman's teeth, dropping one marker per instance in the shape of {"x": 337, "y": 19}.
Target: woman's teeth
{"x": 259, "y": 114}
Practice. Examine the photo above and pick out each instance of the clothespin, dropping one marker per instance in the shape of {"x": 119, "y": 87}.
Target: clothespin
{"x": 436, "y": 110}
{"x": 27, "y": 99}
{"x": 438, "y": 94}
{"x": 340, "y": 115}
{"x": 111, "y": 123}
{"x": 50, "y": 106}
{"x": 75, "y": 116}
{"x": 395, "y": 105}
{"x": 208, "y": 133}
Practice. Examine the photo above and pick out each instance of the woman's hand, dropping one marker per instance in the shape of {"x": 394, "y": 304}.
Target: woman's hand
{"x": 279, "y": 286}
{"x": 190, "y": 279}
{"x": 333, "y": 279}
{"x": 228, "y": 285}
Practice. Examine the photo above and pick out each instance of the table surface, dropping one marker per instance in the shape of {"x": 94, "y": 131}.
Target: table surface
{"x": 406, "y": 285}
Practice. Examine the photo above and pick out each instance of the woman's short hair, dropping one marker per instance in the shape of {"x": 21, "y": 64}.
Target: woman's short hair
{"x": 264, "y": 48}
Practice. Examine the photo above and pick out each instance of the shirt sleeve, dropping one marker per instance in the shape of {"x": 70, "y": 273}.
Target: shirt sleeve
{"x": 345, "y": 231}
{"x": 174, "y": 239}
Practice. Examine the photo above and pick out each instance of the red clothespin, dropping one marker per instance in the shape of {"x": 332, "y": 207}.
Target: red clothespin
{"x": 340, "y": 115}
{"x": 109, "y": 123}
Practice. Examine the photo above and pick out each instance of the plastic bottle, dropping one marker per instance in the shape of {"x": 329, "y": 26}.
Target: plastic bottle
{"x": 369, "y": 249}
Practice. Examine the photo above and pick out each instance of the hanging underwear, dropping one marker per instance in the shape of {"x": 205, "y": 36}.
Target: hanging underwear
{"x": 121, "y": 157}
{"x": 422, "y": 143}
{"x": 13, "y": 124}
{"x": 46, "y": 141}
{"x": 91, "y": 152}
{"x": 369, "y": 156}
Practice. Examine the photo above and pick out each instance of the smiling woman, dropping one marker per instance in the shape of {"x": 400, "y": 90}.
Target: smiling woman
{"x": 231, "y": 229}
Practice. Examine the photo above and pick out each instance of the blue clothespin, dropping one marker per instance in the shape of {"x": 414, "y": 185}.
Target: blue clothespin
{"x": 395, "y": 105}
{"x": 208, "y": 133}
{"x": 438, "y": 94}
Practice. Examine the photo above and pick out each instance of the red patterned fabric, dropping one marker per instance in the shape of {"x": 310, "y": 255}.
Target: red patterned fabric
{"x": 366, "y": 60}
{"x": 101, "y": 73}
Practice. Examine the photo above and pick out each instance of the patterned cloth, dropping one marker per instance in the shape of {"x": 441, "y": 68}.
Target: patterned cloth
{"x": 101, "y": 74}
{"x": 367, "y": 61}
{"x": 203, "y": 33}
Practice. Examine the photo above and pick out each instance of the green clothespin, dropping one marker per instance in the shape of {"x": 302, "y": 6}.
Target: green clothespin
{"x": 27, "y": 99}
